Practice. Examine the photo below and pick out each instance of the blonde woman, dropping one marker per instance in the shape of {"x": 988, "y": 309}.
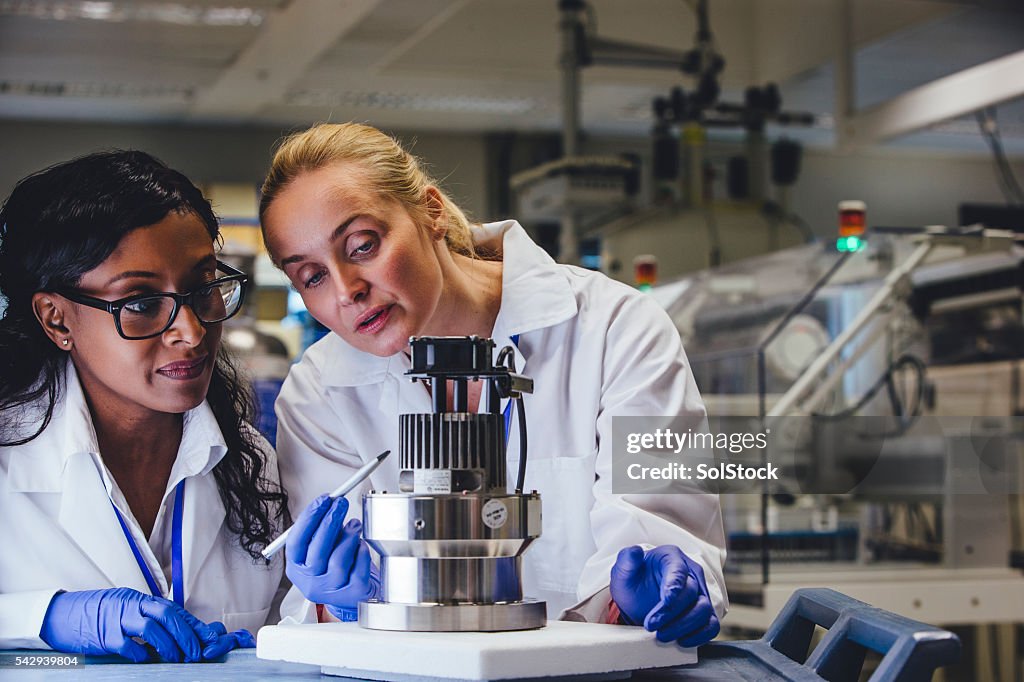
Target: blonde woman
{"x": 379, "y": 253}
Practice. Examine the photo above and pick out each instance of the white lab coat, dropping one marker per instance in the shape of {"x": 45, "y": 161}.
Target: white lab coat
{"x": 58, "y": 530}
{"x": 594, "y": 348}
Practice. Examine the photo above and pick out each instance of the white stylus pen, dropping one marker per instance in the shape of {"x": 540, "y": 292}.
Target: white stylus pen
{"x": 344, "y": 489}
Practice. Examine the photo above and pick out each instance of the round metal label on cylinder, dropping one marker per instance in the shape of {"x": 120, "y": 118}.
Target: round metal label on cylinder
{"x": 494, "y": 514}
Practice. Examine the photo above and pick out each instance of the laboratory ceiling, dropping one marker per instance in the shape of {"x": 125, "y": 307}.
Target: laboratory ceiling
{"x": 475, "y": 65}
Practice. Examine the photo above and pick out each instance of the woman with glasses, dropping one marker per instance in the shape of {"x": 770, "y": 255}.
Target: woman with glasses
{"x": 134, "y": 495}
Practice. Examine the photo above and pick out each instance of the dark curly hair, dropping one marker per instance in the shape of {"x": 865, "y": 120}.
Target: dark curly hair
{"x": 64, "y": 221}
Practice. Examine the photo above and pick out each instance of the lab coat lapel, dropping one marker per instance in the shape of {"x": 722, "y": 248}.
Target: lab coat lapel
{"x": 86, "y": 513}
{"x": 201, "y": 525}
{"x": 88, "y": 518}
{"x": 391, "y": 387}
{"x": 400, "y": 395}
{"x": 202, "y": 449}
{"x": 535, "y": 291}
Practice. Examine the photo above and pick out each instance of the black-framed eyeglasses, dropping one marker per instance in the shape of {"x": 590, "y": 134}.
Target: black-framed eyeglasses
{"x": 144, "y": 316}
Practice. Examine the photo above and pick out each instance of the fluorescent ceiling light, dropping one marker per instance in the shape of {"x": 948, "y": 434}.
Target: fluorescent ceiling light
{"x": 120, "y": 11}
{"x": 94, "y": 90}
{"x": 414, "y": 102}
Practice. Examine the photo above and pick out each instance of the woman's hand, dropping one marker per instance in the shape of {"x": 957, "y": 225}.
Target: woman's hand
{"x": 216, "y": 640}
{"x": 666, "y": 592}
{"x": 101, "y": 622}
{"x": 328, "y": 560}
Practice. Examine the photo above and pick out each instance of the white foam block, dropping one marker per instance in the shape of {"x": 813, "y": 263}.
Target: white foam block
{"x": 559, "y": 649}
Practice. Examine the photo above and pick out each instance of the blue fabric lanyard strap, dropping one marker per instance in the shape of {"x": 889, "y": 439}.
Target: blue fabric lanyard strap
{"x": 177, "y": 582}
{"x": 508, "y": 405}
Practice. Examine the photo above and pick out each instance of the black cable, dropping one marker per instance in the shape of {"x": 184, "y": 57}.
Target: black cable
{"x": 773, "y": 213}
{"x": 908, "y": 414}
{"x": 503, "y": 356}
{"x": 906, "y": 417}
{"x": 508, "y": 358}
{"x": 989, "y": 127}
{"x": 910, "y": 515}
{"x": 894, "y": 397}
{"x": 996, "y": 140}
{"x": 591, "y": 24}
{"x": 983, "y": 123}
{"x": 803, "y": 227}
{"x": 714, "y": 239}
{"x": 930, "y": 536}
{"x": 521, "y": 410}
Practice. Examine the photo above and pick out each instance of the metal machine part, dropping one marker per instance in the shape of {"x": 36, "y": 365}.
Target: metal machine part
{"x": 451, "y": 540}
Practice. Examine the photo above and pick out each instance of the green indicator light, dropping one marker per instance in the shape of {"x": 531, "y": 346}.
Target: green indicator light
{"x": 849, "y": 244}
{"x": 644, "y": 287}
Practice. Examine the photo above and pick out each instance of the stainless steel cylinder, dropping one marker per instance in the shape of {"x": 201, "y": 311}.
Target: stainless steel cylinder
{"x": 524, "y": 615}
{"x": 451, "y": 562}
{"x": 450, "y": 526}
{"x": 451, "y": 581}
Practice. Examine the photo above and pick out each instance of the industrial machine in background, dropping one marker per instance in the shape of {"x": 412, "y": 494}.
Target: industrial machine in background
{"x": 451, "y": 538}
{"x": 912, "y": 327}
{"x": 606, "y": 218}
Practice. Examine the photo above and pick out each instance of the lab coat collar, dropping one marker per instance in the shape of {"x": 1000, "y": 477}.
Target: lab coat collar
{"x": 535, "y": 290}
{"x": 65, "y": 459}
{"x": 345, "y": 365}
{"x": 41, "y": 463}
{"x": 535, "y": 294}
{"x": 202, "y": 448}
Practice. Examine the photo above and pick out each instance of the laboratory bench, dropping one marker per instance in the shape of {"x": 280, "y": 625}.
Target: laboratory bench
{"x": 908, "y": 651}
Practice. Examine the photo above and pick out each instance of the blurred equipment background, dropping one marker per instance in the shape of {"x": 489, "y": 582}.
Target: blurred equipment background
{"x": 764, "y": 168}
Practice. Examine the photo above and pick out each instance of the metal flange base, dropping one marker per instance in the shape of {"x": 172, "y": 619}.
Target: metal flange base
{"x": 525, "y": 615}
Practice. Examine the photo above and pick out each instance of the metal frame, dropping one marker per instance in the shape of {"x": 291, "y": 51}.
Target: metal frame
{"x": 961, "y": 93}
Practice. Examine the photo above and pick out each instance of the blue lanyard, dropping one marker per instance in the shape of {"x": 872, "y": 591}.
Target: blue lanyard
{"x": 508, "y": 405}
{"x": 177, "y": 584}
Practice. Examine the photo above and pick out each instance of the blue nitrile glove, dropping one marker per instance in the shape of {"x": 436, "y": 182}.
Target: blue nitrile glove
{"x": 226, "y": 641}
{"x": 666, "y": 591}
{"x": 328, "y": 560}
{"x": 216, "y": 640}
{"x": 101, "y": 622}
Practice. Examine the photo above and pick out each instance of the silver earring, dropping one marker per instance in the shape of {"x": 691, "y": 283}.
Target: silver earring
{"x": 65, "y": 342}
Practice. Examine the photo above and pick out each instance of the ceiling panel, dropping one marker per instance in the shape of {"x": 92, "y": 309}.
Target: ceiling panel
{"x": 383, "y": 33}
{"x": 466, "y": 64}
{"x": 149, "y": 40}
{"x": 938, "y": 48}
{"x": 37, "y": 51}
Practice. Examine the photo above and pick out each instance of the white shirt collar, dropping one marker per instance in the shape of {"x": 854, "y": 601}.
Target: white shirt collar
{"x": 535, "y": 294}
{"x": 71, "y": 432}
